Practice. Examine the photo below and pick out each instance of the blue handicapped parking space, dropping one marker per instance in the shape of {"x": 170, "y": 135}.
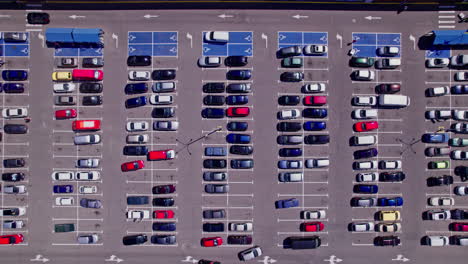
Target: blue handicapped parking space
{"x": 240, "y": 44}
{"x": 157, "y": 43}
{"x": 366, "y": 44}
{"x": 12, "y": 49}
{"x": 435, "y": 52}
{"x": 299, "y": 38}
{"x": 76, "y": 52}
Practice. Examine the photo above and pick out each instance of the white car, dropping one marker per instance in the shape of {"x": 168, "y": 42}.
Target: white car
{"x": 388, "y": 51}
{"x": 139, "y": 75}
{"x": 64, "y": 201}
{"x": 461, "y": 128}
{"x": 138, "y": 214}
{"x": 63, "y": 175}
{"x": 441, "y": 201}
{"x": 240, "y": 227}
{"x": 87, "y": 139}
{"x": 209, "y": 61}
{"x": 460, "y": 115}
{"x": 436, "y": 241}
{"x": 137, "y": 126}
{"x": 64, "y": 87}
{"x": 87, "y": 163}
{"x": 437, "y": 62}
{"x": 15, "y": 112}
{"x": 314, "y": 88}
{"x": 461, "y": 76}
{"x": 367, "y": 177}
{"x": 439, "y": 114}
{"x": 13, "y": 224}
{"x": 388, "y": 227}
{"x": 439, "y": 214}
{"x": 217, "y": 36}
{"x": 317, "y": 163}
{"x": 459, "y": 60}
{"x": 289, "y": 114}
{"x": 314, "y": 214}
{"x": 88, "y": 175}
{"x": 87, "y": 189}
{"x": 390, "y": 164}
{"x": 365, "y": 165}
{"x": 21, "y": 211}
{"x": 362, "y": 227}
{"x": 87, "y": 239}
{"x": 459, "y": 155}
{"x": 364, "y": 75}
{"x": 365, "y": 113}
{"x": 14, "y": 189}
{"x": 166, "y": 125}
{"x": 137, "y": 138}
{"x": 161, "y": 99}
{"x": 250, "y": 253}
{"x": 388, "y": 63}
{"x": 437, "y": 91}
{"x": 461, "y": 190}
{"x": 315, "y": 49}
{"x": 364, "y": 100}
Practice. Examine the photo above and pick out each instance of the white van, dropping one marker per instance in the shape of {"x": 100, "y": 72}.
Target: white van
{"x": 217, "y": 36}
{"x": 394, "y": 100}
{"x": 363, "y": 140}
{"x": 161, "y": 99}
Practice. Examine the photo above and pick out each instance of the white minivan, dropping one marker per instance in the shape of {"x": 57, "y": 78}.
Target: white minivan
{"x": 363, "y": 140}
{"x": 394, "y": 100}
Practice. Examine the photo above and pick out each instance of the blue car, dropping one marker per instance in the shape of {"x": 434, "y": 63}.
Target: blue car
{"x": 435, "y": 138}
{"x": 136, "y": 88}
{"x": 314, "y": 113}
{"x": 237, "y": 126}
{"x": 314, "y": 126}
{"x": 365, "y": 188}
{"x": 63, "y": 188}
{"x": 237, "y": 99}
{"x": 13, "y": 88}
{"x": 14, "y": 75}
{"x": 395, "y": 201}
{"x": 136, "y": 102}
{"x": 290, "y": 152}
{"x": 238, "y": 138}
{"x": 213, "y": 113}
{"x": 164, "y": 226}
{"x": 137, "y": 200}
{"x": 238, "y": 74}
{"x": 459, "y": 89}
{"x": 288, "y": 203}
{"x": 365, "y": 153}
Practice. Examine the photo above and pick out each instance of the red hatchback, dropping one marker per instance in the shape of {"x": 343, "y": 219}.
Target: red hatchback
{"x": 11, "y": 239}
{"x": 66, "y": 113}
{"x": 211, "y": 241}
{"x": 237, "y": 111}
{"x": 166, "y": 154}
{"x": 312, "y": 227}
{"x": 132, "y": 165}
{"x": 161, "y": 214}
{"x": 315, "y": 100}
{"x": 366, "y": 126}
{"x": 87, "y": 75}
{"x": 460, "y": 227}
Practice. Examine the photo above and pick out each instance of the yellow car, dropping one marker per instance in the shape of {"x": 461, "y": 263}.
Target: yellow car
{"x": 389, "y": 215}
{"x": 62, "y": 76}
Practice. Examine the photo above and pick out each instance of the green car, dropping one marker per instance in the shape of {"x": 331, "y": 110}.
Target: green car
{"x": 458, "y": 142}
{"x": 435, "y": 165}
{"x": 292, "y": 62}
{"x": 361, "y": 62}
{"x": 61, "y": 228}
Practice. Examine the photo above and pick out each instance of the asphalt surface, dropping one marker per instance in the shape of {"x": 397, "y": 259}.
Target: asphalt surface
{"x": 252, "y": 197}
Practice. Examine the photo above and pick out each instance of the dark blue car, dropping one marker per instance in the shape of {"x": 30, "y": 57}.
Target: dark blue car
{"x": 435, "y": 138}
{"x": 213, "y": 113}
{"x": 314, "y": 126}
{"x": 238, "y": 138}
{"x": 14, "y": 75}
{"x": 164, "y": 226}
{"x": 238, "y": 75}
{"x": 459, "y": 89}
{"x": 136, "y": 88}
{"x": 314, "y": 113}
{"x": 237, "y": 126}
{"x": 137, "y": 200}
{"x": 213, "y": 227}
{"x": 290, "y": 152}
{"x": 63, "y": 188}
{"x": 136, "y": 102}
{"x": 237, "y": 99}
{"x": 365, "y": 153}
{"x": 288, "y": 203}
{"x": 395, "y": 201}
{"x": 135, "y": 150}
{"x": 13, "y": 88}
{"x": 365, "y": 188}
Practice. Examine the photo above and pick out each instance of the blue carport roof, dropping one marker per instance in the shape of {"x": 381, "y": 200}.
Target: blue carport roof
{"x": 451, "y": 37}
{"x": 59, "y": 34}
{"x": 89, "y": 35}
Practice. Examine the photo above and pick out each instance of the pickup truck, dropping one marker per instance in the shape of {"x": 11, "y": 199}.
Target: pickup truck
{"x": 138, "y": 214}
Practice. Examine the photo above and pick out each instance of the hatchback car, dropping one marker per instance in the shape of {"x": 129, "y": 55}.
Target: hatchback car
{"x": 211, "y": 241}
{"x": 289, "y": 100}
{"x": 361, "y": 227}
{"x": 363, "y": 75}
{"x": 250, "y": 253}
{"x": 241, "y": 150}
{"x": 239, "y": 88}
{"x": 290, "y": 164}
{"x": 163, "y": 112}
{"x": 216, "y": 188}
{"x": 237, "y": 111}
{"x": 239, "y": 74}
{"x": 138, "y": 61}
{"x": 214, "y": 100}
{"x": 311, "y": 226}
{"x": 136, "y": 88}
{"x": 134, "y": 240}
{"x": 288, "y": 114}
{"x": 214, "y": 87}
{"x": 292, "y": 76}
{"x": 365, "y": 153}
{"x": 315, "y": 100}
{"x": 138, "y": 75}
{"x": 289, "y": 51}
{"x": 435, "y": 165}
{"x": 212, "y": 113}
{"x": 437, "y": 62}
{"x": 438, "y": 114}
{"x": 166, "y": 125}
{"x": 14, "y": 163}
{"x": 461, "y": 76}
{"x": 209, "y": 61}
{"x": 132, "y": 165}
{"x": 135, "y": 150}
{"x": 394, "y": 201}
{"x": 459, "y": 89}
{"x": 242, "y": 163}
{"x": 439, "y": 180}
{"x": 314, "y": 88}
{"x": 387, "y": 241}
{"x": 214, "y": 164}
{"x": 367, "y": 177}
{"x": 458, "y": 142}
{"x": 437, "y": 91}
{"x": 287, "y": 203}
{"x": 364, "y": 113}
{"x": 14, "y": 75}
{"x": 364, "y": 100}
{"x": 214, "y": 214}
{"x": 317, "y": 139}
{"x": 314, "y": 113}
{"x": 166, "y": 74}
{"x": 361, "y": 62}
{"x": 315, "y": 49}
{"x": 236, "y": 61}
{"x": 366, "y": 126}
{"x": 136, "y": 102}
{"x": 388, "y": 88}
{"x": 365, "y": 188}
{"x": 290, "y": 152}
{"x": 293, "y": 62}
{"x": 92, "y": 100}
{"x": 365, "y": 165}
{"x": 288, "y": 126}
{"x": 38, "y": 18}
{"x": 214, "y": 176}
{"x": 460, "y": 128}
{"x": 137, "y": 126}
{"x": 164, "y": 189}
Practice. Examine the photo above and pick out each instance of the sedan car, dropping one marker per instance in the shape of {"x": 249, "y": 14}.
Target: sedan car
{"x": 236, "y": 61}
{"x": 292, "y": 62}
{"x": 38, "y": 18}
{"x": 239, "y": 74}
{"x": 461, "y": 76}
{"x": 214, "y": 176}
{"x": 216, "y": 188}
{"x": 214, "y": 214}
{"x": 214, "y": 100}
{"x": 14, "y": 75}
{"x": 289, "y": 51}
{"x": 459, "y": 60}
{"x": 290, "y": 164}
{"x": 439, "y": 180}
{"x": 15, "y": 112}
{"x": 138, "y": 75}
{"x": 237, "y": 111}
{"x": 394, "y": 201}
{"x": 436, "y": 165}
{"x": 459, "y": 89}
{"x": 138, "y": 61}
{"x": 164, "y": 189}
{"x": 212, "y": 113}
{"x": 289, "y": 100}
{"x": 315, "y": 49}
{"x": 315, "y": 100}
{"x": 287, "y": 203}
{"x": 458, "y": 142}
{"x": 460, "y": 115}
{"x": 366, "y": 126}
{"x": 163, "y": 112}
{"x": 361, "y": 62}
{"x": 11, "y": 239}
{"x": 461, "y": 190}
{"x": 211, "y": 241}
{"x": 14, "y": 163}
{"x": 438, "y": 214}
{"x": 90, "y": 203}
{"x": 363, "y": 75}
{"x": 459, "y": 155}
{"x": 387, "y": 241}
{"x": 137, "y": 126}
{"x": 241, "y": 150}
{"x": 63, "y": 188}
{"x": 242, "y": 163}
{"x": 314, "y": 88}
{"x": 438, "y": 114}
{"x": 207, "y": 61}
{"x": 311, "y": 226}
{"x": 367, "y": 177}
{"x": 365, "y": 165}
{"x": 136, "y": 102}
{"x": 240, "y": 227}
{"x": 437, "y": 62}
{"x": 435, "y": 138}
{"x": 365, "y": 188}
{"x": 136, "y": 88}
{"x": 361, "y": 227}
{"x": 132, "y": 165}
{"x": 250, "y": 253}
{"x": 288, "y": 114}
{"x": 461, "y": 128}
{"x": 289, "y": 126}
{"x": 66, "y": 62}
{"x": 13, "y": 176}
{"x": 93, "y": 62}
{"x": 390, "y": 164}
{"x": 214, "y": 164}
{"x": 365, "y": 153}
{"x": 364, "y": 113}
{"x": 290, "y": 152}
{"x": 388, "y": 51}
{"x": 135, "y": 150}
{"x": 292, "y": 76}
{"x": 317, "y": 139}
{"x": 237, "y": 99}
{"x": 314, "y": 113}
{"x": 134, "y": 240}
{"x": 437, "y": 91}
{"x": 364, "y": 100}
{"x": 388, "y": 88}
{"x": 313, "y": 214}
{"x": 441, "y": 201}
{"x": 363, "y": 201}
{"x": 92, "y": 100}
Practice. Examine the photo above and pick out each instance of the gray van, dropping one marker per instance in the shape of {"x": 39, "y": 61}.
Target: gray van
{"x": 215, "y": 151}
{"x": 306, "y": 242}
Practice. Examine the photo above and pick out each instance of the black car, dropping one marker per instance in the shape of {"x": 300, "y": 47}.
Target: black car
{"x": 38, "y": 18}
{"x": 163, "y": 112}
{"x": 292, "y": 76}
{"x": 459, "y": 89}
{"x": 14, "y": 163}
{"x": 239, "y": 88}
{"x": 93, "y": 62}
{"x": 15, "y": 129}
{"x": 13, "y": 176}
{"x": 237, "y": 126}
{"x": 213, "y": 214}
{"x": 214, "y": 164}
{"x": 241, "y": 150}
{"x": 13, "y": 88}
{"x": 289, "y": 100}
{"x": 387, "y": 241}
{"x": 164, "y": 226}
{"x": 388, "y": 88}
{"x": 236, "y": 61}
{"x": 163, "y": 239}
{"x": 206, "y": 261}
{"x": 458, "y": 214}
{"x": 242, "y": 163}
{"x": 290, "y": 152}
{"x": 314, "y": 113}
{"x": 439, "y": 181}
{"x": 163, "y": 201}
{"x": 163, "y": 74}
{"x": 92, "y": 100}
{"x": 396, "y": 176}
{"x": 139, "y": 60}
{"x": 90, "y": 87}
{"x": 462, "y": 171}
{"x": 213, "y": 100}
{"x": 134, "y": 239}
{"x": 213, "y": 227}
{"x": 212, "y": 113}
{"x": 288, "y": 126}
{"x": 240, "y": 239}
{"x": 316, "y": 139}
{"x": 216, "y": 87}
{"x": 135, "y": 150}
{"x": 162, "y": 189}
{"x": 136, "y": 88}
{"x": 365, "y": 153}
{"x": 137, "y": 200}
{"x": 238, "y": 74}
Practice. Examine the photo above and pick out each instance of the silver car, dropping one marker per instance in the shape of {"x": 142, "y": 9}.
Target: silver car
{"x": 14, "y": 189}
{"x": 216, "y": 188}
{"x": 214, "y": 176}
{"x": 87, "y": 163}
{"x": 166, "y": 125}
{"x": 88, "y": 239}
{"x": 87, "y": 139}
{"x": 250, "y": 253}
{"x": 13, "y": 224}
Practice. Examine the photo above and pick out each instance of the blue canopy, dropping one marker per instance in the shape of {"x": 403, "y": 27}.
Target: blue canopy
{"x": 87, "y": 35}
{"x": 59, "y": 35}
{"x": 451, "y": 37}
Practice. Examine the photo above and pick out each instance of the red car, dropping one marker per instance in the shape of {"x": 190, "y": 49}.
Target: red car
{"x": 237, "y": 111}
{"x": 312, "y": 227}
{"x": 211, "y": 241}
{"x": 11, "y": 239}
{"x": 460, "y": 227}
{"x": 366, "y": 126}
{"x": 66, "y": 113}
{"x": 132, "y": 165}
{"x": 87, "y": 75}
{"x": 86, "y": 125}
{"x": 159, "y": 214}
{"x": 166, "y": 154}
{"x": 315, "y": 100}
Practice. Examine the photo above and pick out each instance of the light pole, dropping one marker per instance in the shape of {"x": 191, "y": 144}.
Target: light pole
{"x": 190, "y": 142}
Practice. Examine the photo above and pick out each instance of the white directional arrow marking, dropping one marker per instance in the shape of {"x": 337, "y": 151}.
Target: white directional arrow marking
{"x": 5, "y": 15}
{"x": 281, "y": 37}
{"x": 340, "y": 38}
{"x": 333, "y": 259}
{"x": 131, "y": 49}
{"x": 114, "y": 36}
{"x": 150, "y": 16}
{"x": 400, "y": 258}
{"x": 223, "y": 16}
{"x": 40, "y": 258}
{"x": 189, "y": 36}
{"x": 99, "y": 51}
{"x": 41, "y": 37}
{"x": 189, "y": 259}
{"x": 173, "y": 37}
{"x": 206, "y": 49}
{"x": 356, "y": 38}
{"x": 412, "y": 38}
{"x": 131, "y": 37}
{"x": 429, "y": 53}
{"x": 299, "y": 16}
{"x": 114, "y": 258}
{"x": 267, "y": 260}
{"x": 75, "y": 16}
{"x": 324, "y": 38}
{"x": 25, "y": 50}
{"x": 372, "y": 18}
{"x": 265, "y": 37}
